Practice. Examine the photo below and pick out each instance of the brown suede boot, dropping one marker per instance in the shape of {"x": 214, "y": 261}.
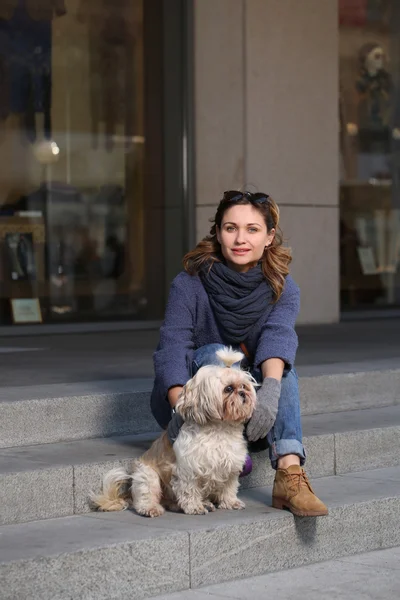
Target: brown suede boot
{"x": 293, "y": 491}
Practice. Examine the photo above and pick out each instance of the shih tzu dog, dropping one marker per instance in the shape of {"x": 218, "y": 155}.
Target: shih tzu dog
{"x": 201, "y": 470}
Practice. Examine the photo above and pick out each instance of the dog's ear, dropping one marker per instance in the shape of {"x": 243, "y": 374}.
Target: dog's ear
{"x": 201, "y": 400}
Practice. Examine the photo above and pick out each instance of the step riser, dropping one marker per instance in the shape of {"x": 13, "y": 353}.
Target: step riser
{"x": 351, "y": 391}
{"x": 62, "y": 491}
{"x": 130, "y": 570}
{"x": 145, "y": 568}
{"x": 52, "y": 420}
{"x": 347, "y": 530}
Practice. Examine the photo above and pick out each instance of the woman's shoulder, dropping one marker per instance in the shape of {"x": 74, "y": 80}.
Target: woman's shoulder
{"x": 187, "y": 289}
{"x": 185, "y": 281}
{"x": 291, "y": 287}
{"x": 290, "y": 293}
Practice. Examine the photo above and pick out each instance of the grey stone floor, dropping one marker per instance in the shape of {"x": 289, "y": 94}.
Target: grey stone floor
{"x": 70, "y": 358}
{"x": 372, "y": 576}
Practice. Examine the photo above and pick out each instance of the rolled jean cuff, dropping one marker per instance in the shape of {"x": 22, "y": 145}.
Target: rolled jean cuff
{"x": 284, "y": 447}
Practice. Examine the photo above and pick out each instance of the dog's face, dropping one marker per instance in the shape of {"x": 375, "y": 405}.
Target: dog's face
{"x": 217, "y": 394}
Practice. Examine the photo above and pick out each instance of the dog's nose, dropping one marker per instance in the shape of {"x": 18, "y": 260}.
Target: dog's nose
{"x": 243, "y": 396}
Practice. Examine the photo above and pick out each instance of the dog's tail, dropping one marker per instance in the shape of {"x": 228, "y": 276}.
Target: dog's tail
{"x": 116, "y": 492}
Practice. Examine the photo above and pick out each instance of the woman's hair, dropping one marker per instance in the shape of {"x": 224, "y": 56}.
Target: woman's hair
{"x": 276, "y": 258}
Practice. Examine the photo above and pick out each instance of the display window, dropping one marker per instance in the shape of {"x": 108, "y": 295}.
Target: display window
{"x": 369, "y": 124}
{"x": 81, "y": 159}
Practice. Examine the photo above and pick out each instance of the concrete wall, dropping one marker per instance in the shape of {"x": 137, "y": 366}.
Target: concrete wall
{"x": 266, "y": 118}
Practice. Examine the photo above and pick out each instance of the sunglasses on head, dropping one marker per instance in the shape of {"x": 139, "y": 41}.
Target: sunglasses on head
{"x": 235, "y": 196}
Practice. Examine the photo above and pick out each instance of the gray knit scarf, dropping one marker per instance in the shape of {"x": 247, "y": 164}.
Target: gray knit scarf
{"x": 238, "y": 300}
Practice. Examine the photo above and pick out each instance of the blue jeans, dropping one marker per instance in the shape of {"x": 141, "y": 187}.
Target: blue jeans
{"x": 286, "y": 435}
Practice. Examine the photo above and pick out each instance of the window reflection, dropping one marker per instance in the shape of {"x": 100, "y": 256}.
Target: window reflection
{"x": 369, "y": 150}
{"x": 72, "y": 151}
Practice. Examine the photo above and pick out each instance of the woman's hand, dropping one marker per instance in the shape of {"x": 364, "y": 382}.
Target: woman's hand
{"x": 264, "y": 415}
{"x": 174, "y": 427}
{"x": 176, "y": 422}
{"x": 173, "y": 394}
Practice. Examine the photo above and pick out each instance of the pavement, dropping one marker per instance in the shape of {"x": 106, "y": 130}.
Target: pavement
{"x": 117, "y": 355}
{"x": 371, "y": 576}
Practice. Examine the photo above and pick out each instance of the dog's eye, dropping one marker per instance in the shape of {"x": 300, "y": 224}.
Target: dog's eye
{"x": 229, "y": 389}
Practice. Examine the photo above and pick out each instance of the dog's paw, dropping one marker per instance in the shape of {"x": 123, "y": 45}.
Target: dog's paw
{"x": 232, "y": 504}
{"x": 153, "y": 511}
{"x": 108, "y": 505}
{"x": 209, "y": 506}
{"x": 195, "y": 509}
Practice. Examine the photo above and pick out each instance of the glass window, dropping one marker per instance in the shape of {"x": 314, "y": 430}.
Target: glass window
{"x": 82, "y": 207}
{"x": 369, "y": 111}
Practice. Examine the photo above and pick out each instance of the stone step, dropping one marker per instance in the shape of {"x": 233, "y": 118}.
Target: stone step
{"x": 365, "y": 576}
{"x": 53, "y": 480}
{"x": 54, "y": 413}
{"x": 122, "y": 555}
{"x": 47, "y": 414}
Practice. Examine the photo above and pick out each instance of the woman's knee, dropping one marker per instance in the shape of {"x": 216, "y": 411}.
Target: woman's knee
{"x": 290, "y": 384}
{"x": 290, "y": 378}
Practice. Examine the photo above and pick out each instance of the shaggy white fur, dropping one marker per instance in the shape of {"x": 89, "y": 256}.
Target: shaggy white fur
{"x": 200, "y": 471}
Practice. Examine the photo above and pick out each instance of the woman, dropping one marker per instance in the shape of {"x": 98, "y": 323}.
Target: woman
{"x": 236, "y": 290}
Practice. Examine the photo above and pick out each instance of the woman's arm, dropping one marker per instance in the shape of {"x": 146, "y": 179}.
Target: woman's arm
{"x": 276, "y": 350}
{"x": 273, "y": 367}
{"x": 278, "y": 341}
{"x": 174, "y": 353}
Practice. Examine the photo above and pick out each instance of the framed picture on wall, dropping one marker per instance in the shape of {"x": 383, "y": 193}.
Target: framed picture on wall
{"x": 26, "y": 310}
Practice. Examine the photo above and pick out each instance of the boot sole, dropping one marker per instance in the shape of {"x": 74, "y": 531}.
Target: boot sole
{"x": 281, "y": 504}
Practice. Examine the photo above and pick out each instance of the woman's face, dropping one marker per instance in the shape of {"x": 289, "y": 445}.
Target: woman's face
{"x": 243, "y": 236}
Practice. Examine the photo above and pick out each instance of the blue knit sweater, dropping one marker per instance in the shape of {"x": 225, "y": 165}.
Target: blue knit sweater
{"x": 190, "y": 323}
